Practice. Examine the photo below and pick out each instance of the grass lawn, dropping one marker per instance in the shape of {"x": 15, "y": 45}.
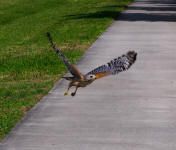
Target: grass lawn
{"x": 28, "y": 66}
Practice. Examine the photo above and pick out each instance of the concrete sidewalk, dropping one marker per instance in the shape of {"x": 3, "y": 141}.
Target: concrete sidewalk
{"x": 135, "y": 110}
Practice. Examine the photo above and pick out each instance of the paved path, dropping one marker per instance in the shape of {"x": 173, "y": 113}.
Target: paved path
{"x": 133, "y": 111}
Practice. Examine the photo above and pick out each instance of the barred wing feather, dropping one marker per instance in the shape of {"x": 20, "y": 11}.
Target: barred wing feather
{"x": 115, "y": 66}
{"x": 73, "y": 70}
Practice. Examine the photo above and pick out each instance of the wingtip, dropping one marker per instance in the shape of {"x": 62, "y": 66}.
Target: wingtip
{"x": 132, "y": 55}
{"x": 132, "y": 52}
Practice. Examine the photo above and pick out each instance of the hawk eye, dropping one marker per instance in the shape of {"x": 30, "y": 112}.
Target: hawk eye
{"x": 91, "y": 76}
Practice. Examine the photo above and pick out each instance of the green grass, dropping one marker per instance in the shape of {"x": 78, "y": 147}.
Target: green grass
{"x": 28, "y": 66}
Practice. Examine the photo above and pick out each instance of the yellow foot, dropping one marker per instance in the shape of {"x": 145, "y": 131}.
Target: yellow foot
{"x": 66, "y": 93}
{"x": 73, "y": 94}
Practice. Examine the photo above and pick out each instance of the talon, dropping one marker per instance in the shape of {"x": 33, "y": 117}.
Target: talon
{"x": 66, "y": 93}
{"x": 72, "y": 94}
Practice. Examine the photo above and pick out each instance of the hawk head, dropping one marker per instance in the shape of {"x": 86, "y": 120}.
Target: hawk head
{"x": 90, "y": 77}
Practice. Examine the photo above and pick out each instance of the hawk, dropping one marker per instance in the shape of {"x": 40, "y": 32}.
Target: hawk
{"x": 113, "y": 67}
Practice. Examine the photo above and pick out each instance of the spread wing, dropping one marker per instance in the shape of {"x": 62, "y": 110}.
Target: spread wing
{"x": 73, "y": 70}
{"x": 115, "y": 66}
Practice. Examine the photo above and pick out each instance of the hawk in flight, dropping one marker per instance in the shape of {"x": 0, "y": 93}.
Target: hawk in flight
{"x": 113, "y": 67}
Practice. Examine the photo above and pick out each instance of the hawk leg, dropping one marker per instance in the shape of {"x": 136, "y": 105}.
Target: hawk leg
{"x": 73, "y": 94}
{"x": 67, "y": 90}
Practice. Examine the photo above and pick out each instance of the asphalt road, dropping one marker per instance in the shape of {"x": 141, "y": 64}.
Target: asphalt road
{"x": 135, "y": 110}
